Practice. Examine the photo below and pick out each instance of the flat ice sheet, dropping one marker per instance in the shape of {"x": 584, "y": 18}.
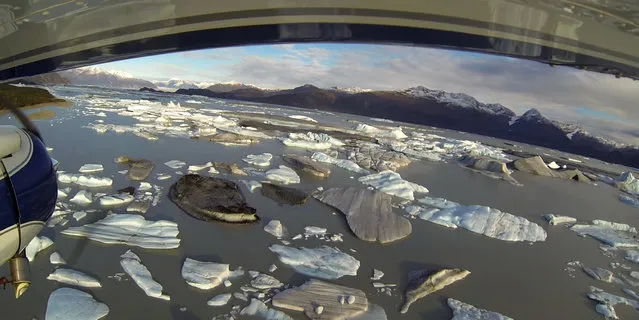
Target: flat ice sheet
{"x": 116, "y": 199}
{"x": 283, "y": 175}
{"x": 479, "y": 219}
{"x": 84, "y": 180}
{"x": 130, "y": 229}
{"x": 133, "y": 266}
{"x": 207, "y": 275}
{"x": 82, "y": 198}
{"x": 323, "y": 262}
{"x": 36, "y": 245}
{"x": 72, "y": 304}
{"x": 219, "y": 300}
{"x": 392, "y": 183}
{"x": 261, "y": 160}
{"x": 74, "y": 277}
{"x": 90, "y": 168}
{"x": 612, "y": 234}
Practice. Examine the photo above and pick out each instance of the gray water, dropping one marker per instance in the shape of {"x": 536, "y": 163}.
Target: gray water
{"x": 520, "y": 280}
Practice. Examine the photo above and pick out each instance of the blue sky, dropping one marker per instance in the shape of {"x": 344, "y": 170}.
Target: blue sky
{"x": 566, "y": 94}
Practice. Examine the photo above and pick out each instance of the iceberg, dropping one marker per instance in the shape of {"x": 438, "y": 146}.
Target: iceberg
{"x": 342, "y": 163}
{"x": 284, "y": 195}
{"x": 264, "y": 281}
{"x": 36, "y": 245}
{"x": 305, "y": 118}
{"x": 139, "y": 206}
{"x": 556, "y": 219}
{"x": 74, "y": 277}
{"x": 632, "y": 255}
{"x": 275, "y": 228}
{"x": 175, "y": 164}
{"x": 55, "y": 258}
{"x": 395, "y": 133}
{"x": 464, "y": 311}
{"x": 207, "y": 275}
{"x": 611, "y": 233}
{"x": 323, "y": 262}
{"x": 392, "y": 183}
{"x": 195, "y": 168}
{"x": 131, "y": 230}
{"x": 261, "y": 160}
{"x": 72, "y": 304}
{"x": 219, "y": 300}
{"x": 422, "y": 283}
{"x": 629, "y": 200}
{"x": 377, "y": 158}
{"x": 84, "y": 180}
{"x": 91, "y": 168}
{"x": 479, "y": 219}
{"x": 608, "y": 301}
{"x": 627, "y": 182}
{"x": 61, "y": 194}
{"x": 82, "y": 198}
{"x": 259, "y": 309}
{"x": 283, "y": 175}
{"x": 116, "y": 199}
{"x": 311, "y": 141}
{"x": 306, "y": 165}
{"x": 133, "y": 266}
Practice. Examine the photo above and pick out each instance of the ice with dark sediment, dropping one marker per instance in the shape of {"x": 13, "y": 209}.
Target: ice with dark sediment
{"x": 83, "y": 198}
{"x": 368, "y": 213}
{"x": 139, "y": 169}
{"x": 129, "y": 229}
{"x": 73, "y": 304}
{"x": 377, "y": 158}
{"x": 284, "y": 195}
{"x": 305, "y": 164}
{"x": 422, "y": 283}
{"x": 133, "y": 266}
{"x": 392, "y": 183}
{"x": 324, "y": 262}
{"x": 207, "y": 275}
{"x": 479, "y": 219}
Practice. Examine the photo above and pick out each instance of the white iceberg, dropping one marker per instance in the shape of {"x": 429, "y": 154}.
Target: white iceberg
{"x": 163, "y": 176}
{"x": 116, "y": 199}
{"x": 392, "y": 183}
{"x": 275, "y": 228}
{"x": 175, "y": 164}
{"x": 144, "y": 186}
{"x": 84, "y": 180}
{"x": 479, "y": 219}
{"x": 627, "y": 182}
{"x": 61, "y": 194}
{"x": 377, "y": 275}
{"x": 557, "y": 219}
{"x": 251, "y": 185}
{"x": 264, "y": 281}
{"x": 91, "y": 168}
{"x": 283, "y": 175}
{"x": 219, "y": 300}
{"x": 323, "y": 262}
{"x": 312, "y": 231}
{"x": 195, "y": 168}
{"x": 305, "y": 118}
{"x": 261, "y": 160}
{"x": 395, "y": 133}
{"x": 82, "y": 198}
{"x": 311, "y": 141}
{"x": 342, "y": 163}
{"x": 36, "y": 245}
{"x": 130, "y": 229}
{"x": 611, "y": 233}
{"x": 553, "y": 165}
{"x": 259, "y": 309}
{"x": 55, "y": 258}
{"x": 72, "y": 304}
{"x": 133, "y": 266}
{"x": 207, "y": 275}
{"x": 464, "y": 311}
{"x": 632, "y": 255}
{"x": 74, "y": 277}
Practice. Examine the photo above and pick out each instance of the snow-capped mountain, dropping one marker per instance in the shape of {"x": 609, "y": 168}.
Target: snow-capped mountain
{"x": 230, "y": 86}
{"x": 459, "y": 100}
{"x": 531, "y": 116}
{"x": 174, "y": 84}
{"x": 97, "y": 77}
{"x": 351, "y": 90}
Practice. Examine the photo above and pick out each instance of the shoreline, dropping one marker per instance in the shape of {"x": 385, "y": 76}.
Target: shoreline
{"x": 61, "y": 103}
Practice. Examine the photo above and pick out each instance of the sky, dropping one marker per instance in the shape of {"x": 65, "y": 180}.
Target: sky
{"x": 601, "y": 103}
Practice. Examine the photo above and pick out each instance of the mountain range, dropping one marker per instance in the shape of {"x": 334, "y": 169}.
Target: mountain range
{"x": 419, "y": 105}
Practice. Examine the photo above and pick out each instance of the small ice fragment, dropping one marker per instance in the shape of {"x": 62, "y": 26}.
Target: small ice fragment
{"x": 183, "y": 309}
{"x": 323, "y": 262}
{"x": 79, "y": 215}
{"x": 319, "y": 309}
{"x": 194, "y": 168}
{"x": 253, "y": 273}
{"x": 342, "y": 300}
{"x": 264, "y": 281}
{"x": 116, "y": 199}
{"x": 72, "y": 304}
{"x": 175, "y": 164}
{"x": 207, "y": 275}
{"x": 631, "y": 293}
{"x": 144, "y": 186}
{"x": 275, "y": 228}
{"x": 283, "y": 175}
{"x": 297, "y": 237}
{"x": 82, "y": 198}
{"x": 36, "y": 245}
{"x": 164, "y": 176}
{"x": 123, "y": 171}
{"x": 336, "y": 238}
{"x": 133, "y": 266}
{"x": 553, "y": 165}
{"x": 606, "y": 310}
{"x": 392, "y": 183}
{"x": 350, "y": 299}
{"x": 227, "y": 283}
{"x": 464, "y": 311}
{"x": 555, "y": 219}
{"x": 262, "y": 160}
{"x": 74, "y": 277}
{"x": 219, "y": 300}
{"x": 377, "y": 274}
{"x": 632, "y": 255}
{"x": 251, "y": 185}
{"x": 312, "y": 231}
{"x": 213, "y": 171}
{"x": 55, "y": 258}
{"x": 61, "y": 194}
{"x": 91, "y": 168}
{"x": 272, "y": 268}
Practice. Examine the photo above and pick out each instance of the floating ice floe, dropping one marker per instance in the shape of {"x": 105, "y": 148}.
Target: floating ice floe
{"x": 377, "y": 158}
{"x": 553, "y": 165}
{"x": 84, "y": 180}
{"x": 195, "y": 168}
{"x": 611, "y": 233}
{"x": 323, "y": 262}
{"x": 61, "y": 194}
{"x": 130, "y": 229}
{"x": 116, "y": 199}
{"x": 72, "y": 304}
{"x": 557, "y": 219}
{"x": 377, "y": 275}
{"x": 283, "y": 175}
{"x": 342, "y": 163}
{"x": 464, "y": 311}
{"x": 368, "y": 213}
{"x": 36, "y": 245}
{"x": 55, "y": 258}
{"x": 91, "y": 168}
{"x": 275, "y": 228}
{"x": 629, "y": 200}
{"x": 82, "y": 198}
{"x": 163, "y": 176}
{"x": 207, "y": 275}
{"x": 422, "y": 283}
{"x": 311, "y": 141}
{"x": 144, "y": 186}
{"x": 262, "y": 160}
{"x": 251, "y": 185}
{"x": 608, "y": 301}
{"x": 305, "y": 118}
{"x": 264, "y": 281}
{"x": 259, "y": 309}
{"x": 219, "y": 300}
{"x": 599, "y": 274}
{"x": 479, "y": 219}
{"x": 74, "y": 277}
{"x": 394, "y": 133}
{"x": 632, "y": 255}
{"x": 392, "y": 183}
{"x": 175, "y": 164}
{"x": 627, "y": 182}
{"x": 314, "y": 293}
{"x": 133, "y": 266}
